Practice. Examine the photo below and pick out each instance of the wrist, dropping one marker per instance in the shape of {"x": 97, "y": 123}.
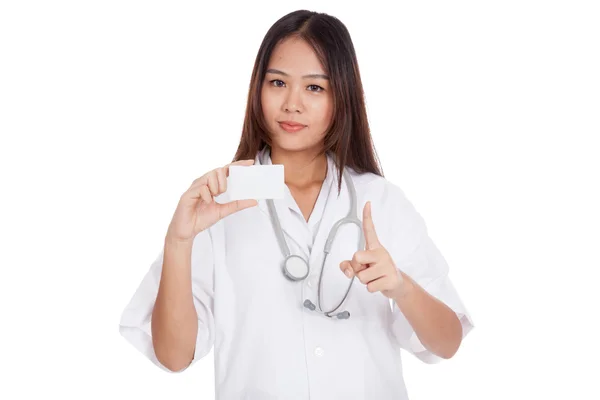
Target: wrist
{"x": 404, "y": 289}
{"x": 177, "y": 243}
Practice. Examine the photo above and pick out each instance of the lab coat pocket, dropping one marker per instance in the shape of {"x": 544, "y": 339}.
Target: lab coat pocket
{"x": 365, "y": 305}
{"x": 252, "y": 256}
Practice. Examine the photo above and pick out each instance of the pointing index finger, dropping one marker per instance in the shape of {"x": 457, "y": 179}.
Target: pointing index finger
{"x": 371, "y": 239}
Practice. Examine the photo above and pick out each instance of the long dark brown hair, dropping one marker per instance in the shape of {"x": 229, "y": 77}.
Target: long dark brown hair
{"x": 348, "y": 136}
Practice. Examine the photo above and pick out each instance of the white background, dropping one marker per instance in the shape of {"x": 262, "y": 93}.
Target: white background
{"x": 485, "y": 113}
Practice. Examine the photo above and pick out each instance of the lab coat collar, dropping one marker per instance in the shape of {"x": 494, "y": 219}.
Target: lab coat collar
{"x": 331, "y": 180}
{"x": 293, "y": 227}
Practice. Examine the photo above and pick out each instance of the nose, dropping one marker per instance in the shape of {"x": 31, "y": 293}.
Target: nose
{"x": 292, "y": 102}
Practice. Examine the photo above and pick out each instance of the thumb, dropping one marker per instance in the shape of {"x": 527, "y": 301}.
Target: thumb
{"x": 346, "y": 268}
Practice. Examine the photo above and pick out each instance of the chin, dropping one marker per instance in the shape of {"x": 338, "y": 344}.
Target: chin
{"x": 291, "y": 145}
{"x": 294, "y": 142}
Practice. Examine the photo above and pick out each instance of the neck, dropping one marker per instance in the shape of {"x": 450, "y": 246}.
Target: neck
{"x": 301, "y": 168}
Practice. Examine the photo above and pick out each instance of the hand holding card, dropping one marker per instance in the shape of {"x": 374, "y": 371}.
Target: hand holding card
{"x": 197, "y": 209}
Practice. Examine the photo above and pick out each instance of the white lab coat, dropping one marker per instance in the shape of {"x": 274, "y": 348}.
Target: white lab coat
{"x": 267, "y": 345}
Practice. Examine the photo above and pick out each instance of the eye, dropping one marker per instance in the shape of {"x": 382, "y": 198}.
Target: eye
{"x": 274, "y": 82}
{"x": 317, "y": 88}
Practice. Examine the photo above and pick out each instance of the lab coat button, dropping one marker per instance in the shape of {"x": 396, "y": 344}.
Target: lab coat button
{"x": 319, "y": 352}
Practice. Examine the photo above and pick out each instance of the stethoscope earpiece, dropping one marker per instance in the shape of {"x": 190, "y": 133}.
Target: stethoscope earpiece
{"x": 309, "y": 304}
{"x": 341, "y": 315}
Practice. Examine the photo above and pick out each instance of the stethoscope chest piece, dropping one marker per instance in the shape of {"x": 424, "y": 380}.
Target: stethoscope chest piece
{"x": 295, "y": 268}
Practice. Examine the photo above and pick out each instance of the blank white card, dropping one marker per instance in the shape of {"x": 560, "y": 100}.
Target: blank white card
{"x": 255, "y": 182}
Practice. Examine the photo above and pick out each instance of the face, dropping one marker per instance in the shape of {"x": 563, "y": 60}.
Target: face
{"x": 296, "y": 89}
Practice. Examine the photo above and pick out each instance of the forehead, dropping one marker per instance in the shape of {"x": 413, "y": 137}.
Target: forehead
{"x": 295, "y": 57}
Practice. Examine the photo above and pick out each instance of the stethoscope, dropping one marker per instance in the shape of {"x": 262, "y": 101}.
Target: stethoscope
{"x": 295, "y": 268}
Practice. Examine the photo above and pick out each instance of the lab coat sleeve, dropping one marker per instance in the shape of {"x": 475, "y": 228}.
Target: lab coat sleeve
{"x": 415, "y": 253}
{"x": 135, "y": 322}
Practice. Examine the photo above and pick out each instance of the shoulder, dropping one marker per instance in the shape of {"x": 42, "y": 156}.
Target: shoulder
{"x": 378, "y": 189}
{"x": 392, "y": 211}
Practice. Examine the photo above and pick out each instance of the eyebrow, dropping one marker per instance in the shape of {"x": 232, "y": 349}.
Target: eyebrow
{"x": 278, "y": 72}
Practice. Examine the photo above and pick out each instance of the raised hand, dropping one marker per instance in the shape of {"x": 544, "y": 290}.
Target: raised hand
{"x": 374, "y": 266}
{"x": 197, "y": 210}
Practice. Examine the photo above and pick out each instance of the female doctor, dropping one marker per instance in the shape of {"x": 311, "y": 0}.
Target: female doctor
{"x": 314, "y": 295}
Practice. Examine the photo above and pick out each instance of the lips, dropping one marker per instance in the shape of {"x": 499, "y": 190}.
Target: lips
{"x": 290, "y": 126}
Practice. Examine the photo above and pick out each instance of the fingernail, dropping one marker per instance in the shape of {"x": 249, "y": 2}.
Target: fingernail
{"x": 347, "y": 272}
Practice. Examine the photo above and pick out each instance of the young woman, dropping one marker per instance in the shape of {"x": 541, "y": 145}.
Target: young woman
{"x": 296, "y": 304}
